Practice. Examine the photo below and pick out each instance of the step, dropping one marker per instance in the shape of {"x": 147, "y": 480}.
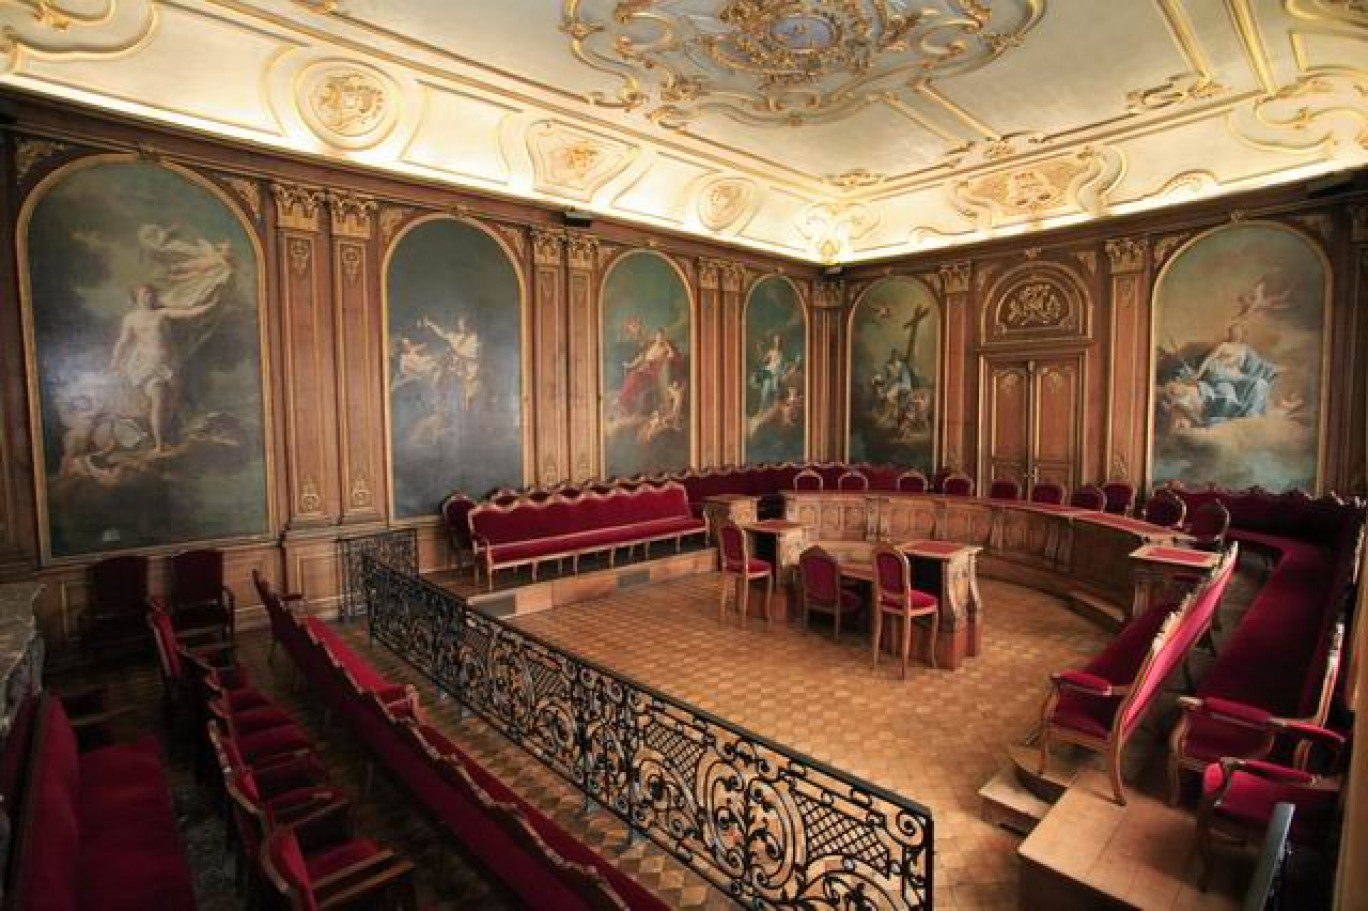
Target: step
{"x": 1006, "y": 802}
{"x": 1101, "y": 611}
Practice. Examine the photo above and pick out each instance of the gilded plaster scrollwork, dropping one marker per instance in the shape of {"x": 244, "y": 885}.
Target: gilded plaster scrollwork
{"x": 855, "y": 179}
{"x": 391, "y": 219}
{"x": 830, "y": 228}
{"x": 725, "y": 202}
{"x": 248, "y": 191}
{"x": 1180, "y": 89}
{"x": 1078, "y": 181}
{"x": 347, "y": 104}
{"x": 1331, "y": 14}
{"x": 57, "y": 29}
{"x": 572, "y": 162}
{"x": 785, "y": 62}
{"x": 1324, "y": 113}
{"x": 29, "y": 153}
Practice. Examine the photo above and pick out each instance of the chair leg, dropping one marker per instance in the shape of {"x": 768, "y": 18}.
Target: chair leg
{"x": 836, "y": 635}
{"x": 270, "y": 652}
{"x": 1114, "y": 773}
{"x": 722, "y": 599}
{"x": 745, "y": 585}
{"x": 935, "y": 637}
{"x": 906, "y": 642}
{"x": 769, "y": 597}
{"x": 878, "y": 633}
{"x": 1175, "y": 781}
{"x": 1044, "y": 763}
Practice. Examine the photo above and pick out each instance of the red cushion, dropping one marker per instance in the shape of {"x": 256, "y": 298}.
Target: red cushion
{"x": 286, "y": 738}
{"x": 339, "y": 856}
{"x": 1082, "y": 680}
{"x": 1085, "y": 713}
{"x": 754, "y": 567}
{"x": 920, "y": 600}
{"x": 366, "y": 677}
{"x": 45, "y": 877}
{"x": 1250, "y": 799}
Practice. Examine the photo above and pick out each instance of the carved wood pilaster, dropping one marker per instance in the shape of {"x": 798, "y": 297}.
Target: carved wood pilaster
{"x": 1127, "y": 422}
{"x": 825, "y": 356}
{"x": 584, "y": 254}
{"x": 549, "y": 359}
{"x": 955, "y": 281}
{"x": 308, "y": 359}
{"x": 18, "y": 512}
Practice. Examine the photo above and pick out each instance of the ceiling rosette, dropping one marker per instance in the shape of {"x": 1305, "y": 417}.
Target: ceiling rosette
{"x": 784, "y": 62}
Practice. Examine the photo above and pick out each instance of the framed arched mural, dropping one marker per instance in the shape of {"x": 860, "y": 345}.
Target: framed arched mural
{"x": 142, "y": 290}
{"x": 776, "y": 372}
{"x": 893, "y": 349}
{"x": 1239, "y": 336}
{"x": 647, "y": 337}
{"x": 455, "y": 341}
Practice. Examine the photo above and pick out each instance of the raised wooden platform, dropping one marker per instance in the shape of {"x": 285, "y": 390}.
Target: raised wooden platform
{"x": 516, "y": 594}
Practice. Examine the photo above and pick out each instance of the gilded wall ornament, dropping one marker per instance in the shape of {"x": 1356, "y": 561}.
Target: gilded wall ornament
{"x": 30, "y": 152}
{"x": 573, "y": 162}
{"x": 831, "y": 227}
{"x": 1126, "y": 254}
{"x": 297, "y": 208}
{"x": 784, "y": 61}
{"x": 1078, "y": 181}
{"x": 1034, "y": 305}
{"x": 391, "y": 219}
{"x": 248, "y": 191}
{"x": 1036, "y": 302}
{"x": 723, "y": 202}
{"x": 351, "y": 214}
{"x": 349, "y": 105}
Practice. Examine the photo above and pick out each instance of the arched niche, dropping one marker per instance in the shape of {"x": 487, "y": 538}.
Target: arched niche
{"x": 1239, "y": 351}
{"x": 776, "y": 391}
{"x": 646, "y": 339}
{"x": 455, "y": 347}
{"x": 142, "y": 290}
{"x": 893, "y": 349}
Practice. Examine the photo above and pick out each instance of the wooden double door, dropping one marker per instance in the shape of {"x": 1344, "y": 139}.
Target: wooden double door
{"x": 1031, "y": 419}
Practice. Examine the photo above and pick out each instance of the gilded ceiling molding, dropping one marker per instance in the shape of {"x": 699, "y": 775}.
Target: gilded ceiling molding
{"x": 1077, "y": 181}
{"x": 1126, "y": 254}
{"x": 726, "y": 202}
{"x": 787, "y": 62}
{"x": 855, "y": 179}
{"x": 573, "y": 162}
{"x": 30, "y": 152}
{"x": 297, "y": 208}
{"x": 831, "y": 228}
{"x": 58, "y": 29}
{"x": 1187, "y": 183}
{"x": 322, "y": 7}
{"x": 1180, "y": 89}
{"x": 1330, "y": 15}
{"x": 347, "y": 104}
{"x": 352, "y": 214}
{"x": 1324, "y": 112}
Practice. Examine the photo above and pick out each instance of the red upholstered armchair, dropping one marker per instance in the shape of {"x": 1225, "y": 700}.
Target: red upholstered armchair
{"x": 912, "y": 482}
{"x": 1120, "y": 497}
{"x": 852, "y": 480}
{"x": 1165, "y": 510}
{"x": 894, "y": 596}
{"x": 319, "y": 862}
{"x": 1048, "y": 493}
{"x": 1209, "y": 525}
{"x": 1004, "y": 489}
{"x": 198, "y": 599}
{"x": 118, "y": 602}
{"x": 1239, "y": 795}
{"x": 739, "y": 570}
{"x": 958, "y": 485}
{"x": 456, "y": 516}
{"x": 807, "y": 479}
{"x": 822, "y": 590}
{"x": 1089, "y": 497}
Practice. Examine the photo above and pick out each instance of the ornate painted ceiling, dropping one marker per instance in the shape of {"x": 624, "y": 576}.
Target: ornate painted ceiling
{"x": 828, "y": 130}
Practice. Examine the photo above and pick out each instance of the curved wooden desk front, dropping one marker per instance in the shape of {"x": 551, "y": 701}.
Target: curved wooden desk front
{"x": 1075, "y": 553}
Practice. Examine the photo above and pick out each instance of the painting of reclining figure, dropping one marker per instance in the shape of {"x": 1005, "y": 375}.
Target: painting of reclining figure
{"x": 1239, "y": 335}
{"x": 143, "y": 289}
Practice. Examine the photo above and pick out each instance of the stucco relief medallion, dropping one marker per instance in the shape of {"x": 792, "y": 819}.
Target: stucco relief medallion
{"x": 724, "y": 202}
{"x": 348, "y": 105}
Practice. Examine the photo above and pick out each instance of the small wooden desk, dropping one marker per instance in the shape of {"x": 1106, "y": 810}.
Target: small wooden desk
{"x": 1156, "y": 564}
{"x": 950, "y": 572}
{"x": 790, "y": 539}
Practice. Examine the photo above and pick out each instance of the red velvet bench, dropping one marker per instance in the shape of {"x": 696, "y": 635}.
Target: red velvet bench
{"x": 95, "y": 829}
{"x": 529, "y": 533}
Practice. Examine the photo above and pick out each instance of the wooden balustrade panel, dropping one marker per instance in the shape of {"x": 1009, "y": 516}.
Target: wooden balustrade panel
{"x": 1030, "y": 537}
{"x": 966, "y": 520}
{"x": 906, "y": 518}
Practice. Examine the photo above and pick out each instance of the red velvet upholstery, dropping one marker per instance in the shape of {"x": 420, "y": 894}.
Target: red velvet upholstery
{"x": 852, "y": 480}
{"x": 958, "y": 485}
{"x": 1049, "y": 493}
{"x": 1209, "y": 525}
{"x": 1089, "y": 497}
{"x": 118, "y": 600}
{"x": 807, "y": 480}
{"x": 456, "y": 516}
{"x": 1120, "y": 497}
{"x": 1165, "y": 510}
{"x": 96, "y": 830}
{"x": 912, "y": 482}
{"x": 1004, "y": 489}
{"x": 1257, "y": 787}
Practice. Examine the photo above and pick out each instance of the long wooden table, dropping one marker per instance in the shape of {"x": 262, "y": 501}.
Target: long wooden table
{"x": 1074, "y": 553}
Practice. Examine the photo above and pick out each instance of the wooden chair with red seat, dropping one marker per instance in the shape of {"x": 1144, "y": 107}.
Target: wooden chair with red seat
{"x": 852, "y": 480}
{"x": 1120, "y": 497}
{"x": 1089, "y": 496}
{"x": 1209, "y": 525}
{"x": 958, "y": 485}
{"x": 456, "y": 516}
{"x": 912, "y": 482}
{"x": 198, "y": 599}
{"x": 894, "y": 596}
{"x": 319, "y": 862}
{"x": 1048, "y": 493}
{"x": 1004, "y": 489}
{"x": 118, "y": 604}
{"x": 1239, "y": 797}
{"x": 1165, "y": 510}
{"x": 807, "y": 479}
{"x": 740, "y": 569}
{"x": 822, "y": 590}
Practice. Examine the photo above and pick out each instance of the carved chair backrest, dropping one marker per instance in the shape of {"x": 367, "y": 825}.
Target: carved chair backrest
{"x": 912, "y": 482}
{"x": 1049, "y": 493}
{"x": 1004, "y": 489}
{"x": 1089, "y": 497}
{"x": 821, "y": 576}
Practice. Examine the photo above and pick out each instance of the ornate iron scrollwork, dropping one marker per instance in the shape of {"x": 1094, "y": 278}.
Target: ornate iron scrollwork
{"x": 771, "y": 827}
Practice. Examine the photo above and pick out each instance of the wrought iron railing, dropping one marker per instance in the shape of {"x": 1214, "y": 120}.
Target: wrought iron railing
{"x": 771, "y": 827}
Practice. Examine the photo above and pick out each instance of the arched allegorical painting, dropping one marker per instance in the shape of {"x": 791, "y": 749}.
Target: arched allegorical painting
{"x": 454, "y": 316}
{"x": 142, "y": 290}
{"x": 776, "y": 373}
{"x": 1239, "y": 341}
{"x": 894, "y": 350}
{"x": 647, "y": 328}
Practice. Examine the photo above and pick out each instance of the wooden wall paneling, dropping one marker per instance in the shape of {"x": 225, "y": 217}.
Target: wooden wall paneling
{"x": 955, "y": 308}
{"x": 1354, "y": 474}
{"x": 1006, "y": 409}
{"x": 309, "y": 365}
{"x": 730, "y": 412}
{"x": 18, "y": 513}
{"x": 548, "y": 411}
{"x": 1059, "y": 398}
{"x": 1343, "y": 240}
{"x": 582, "y": 334}
{"x": 360, "y": 357}
{"x": 1126, "y": 426}
{"x": 710, "y": 374}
